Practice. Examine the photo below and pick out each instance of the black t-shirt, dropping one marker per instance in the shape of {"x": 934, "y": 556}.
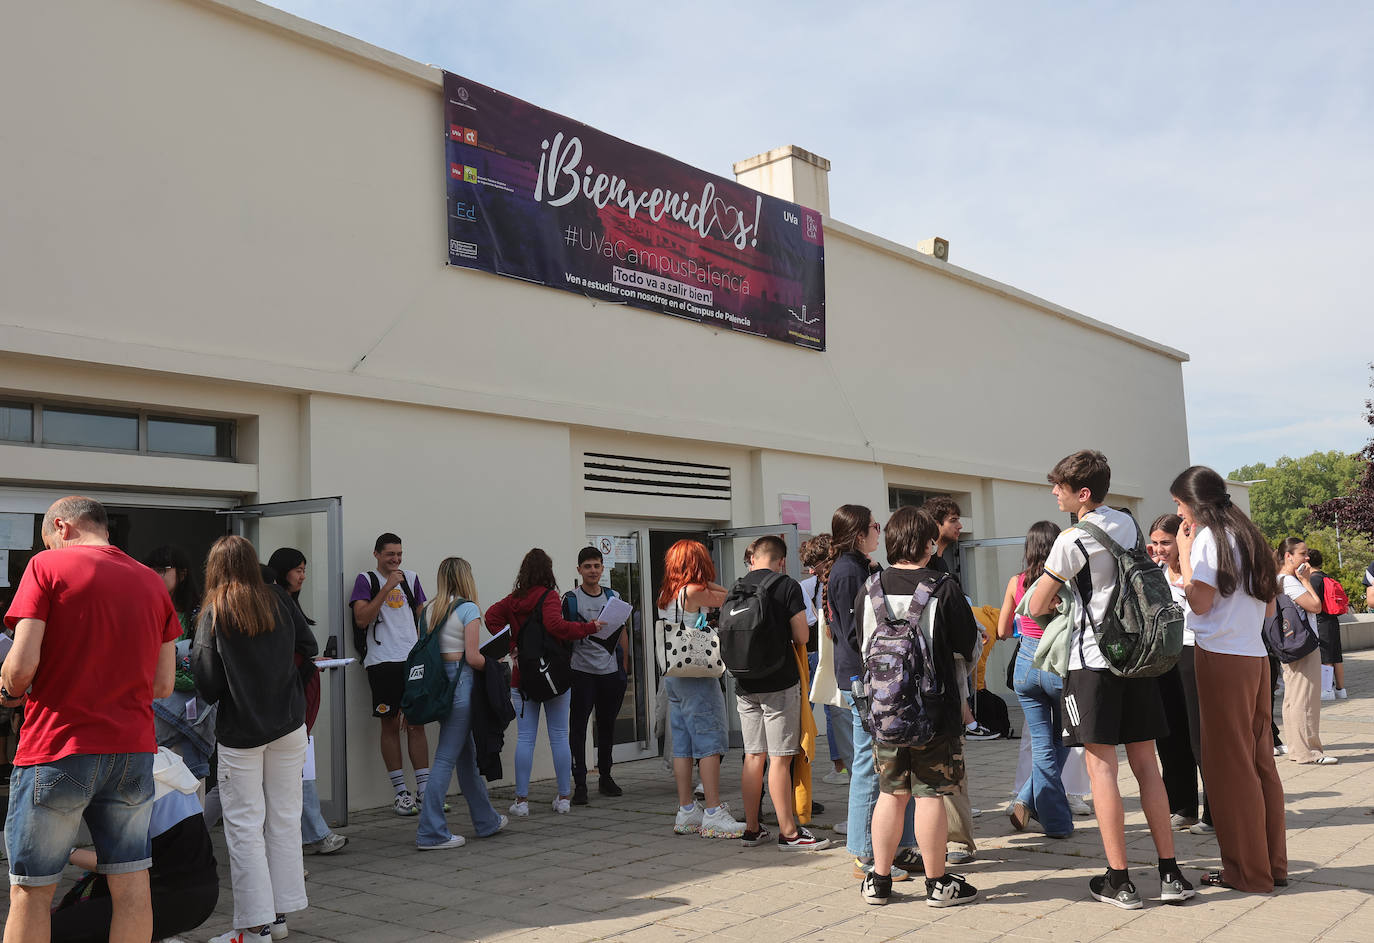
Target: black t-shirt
{"x": 785, "y": 600}
{"x": 1324, "y": 619}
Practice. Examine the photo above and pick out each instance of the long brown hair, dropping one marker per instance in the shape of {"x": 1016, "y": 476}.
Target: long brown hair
{"x": 1039, "y": 539}
{"x": 687, "y": 563}
{"x": 235, "y": 596}
{"x": 535, "y": 570}
{"x": 1205, "y": 492}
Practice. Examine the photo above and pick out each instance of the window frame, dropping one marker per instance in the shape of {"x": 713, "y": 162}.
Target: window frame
{"x": 141, "y": 416}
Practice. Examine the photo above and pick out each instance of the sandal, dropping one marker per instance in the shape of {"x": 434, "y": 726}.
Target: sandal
{"x": 1213, "y": 879}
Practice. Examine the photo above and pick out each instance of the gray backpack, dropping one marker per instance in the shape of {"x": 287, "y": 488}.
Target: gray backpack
{"x": 1141, "y": 635}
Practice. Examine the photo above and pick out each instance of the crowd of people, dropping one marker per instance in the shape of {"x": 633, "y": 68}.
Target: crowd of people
{"x": 222, "y": 686}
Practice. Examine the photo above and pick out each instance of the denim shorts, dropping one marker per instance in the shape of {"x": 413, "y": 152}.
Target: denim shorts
{"x": 696, "y": 715}
{"x": 112, "y": 791}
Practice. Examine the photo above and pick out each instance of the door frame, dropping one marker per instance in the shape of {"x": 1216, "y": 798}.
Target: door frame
{"x": 335, "y": 807}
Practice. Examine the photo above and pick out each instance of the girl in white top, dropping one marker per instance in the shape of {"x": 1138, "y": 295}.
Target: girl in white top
{"x": 1229, "y": 584}
{"x": 1302, "y": 679}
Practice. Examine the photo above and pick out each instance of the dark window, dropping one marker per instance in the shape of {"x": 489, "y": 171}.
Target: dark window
{"x": 190, "y": 437}
{"x": 16, "y": 423}
{"x": 909, "y": 497}
{"x": 89, "y": 429}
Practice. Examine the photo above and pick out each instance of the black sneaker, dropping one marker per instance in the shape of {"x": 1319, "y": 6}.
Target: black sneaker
{"x": 909, "y": 860}
{"x": 607, "y": 787}
{"x": 981, "y": 733}
{"x": 876, "y": 889}
{"x": 1126, "y": 896}
{"x": 817, "y": 808}
{"x": 802, "y": 841}
{"x": 951, "y": 890}
{"x": 579, "y": 796}
{"x": 1175, "y": 889}
{"x": 755, "y": 838}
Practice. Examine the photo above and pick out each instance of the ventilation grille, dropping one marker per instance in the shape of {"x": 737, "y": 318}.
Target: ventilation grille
{"x": 626, "y": 474}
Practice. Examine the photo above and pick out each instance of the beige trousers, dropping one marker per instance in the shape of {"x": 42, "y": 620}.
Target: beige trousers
{"x": 1302, "y": 707}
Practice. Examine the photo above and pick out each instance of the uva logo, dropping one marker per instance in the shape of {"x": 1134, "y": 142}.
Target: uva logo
{"x": 417, "y": 673}
{"x": 789, "y": 217}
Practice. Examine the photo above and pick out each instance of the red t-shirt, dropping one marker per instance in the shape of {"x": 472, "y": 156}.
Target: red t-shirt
{"x": 106, "y": 617}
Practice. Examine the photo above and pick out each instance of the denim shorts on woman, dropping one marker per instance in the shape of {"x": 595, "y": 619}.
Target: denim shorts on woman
{"x": 696, "y": 715}
{"x": 114, "y": 793}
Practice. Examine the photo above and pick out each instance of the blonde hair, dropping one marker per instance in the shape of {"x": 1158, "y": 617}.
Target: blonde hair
{"x": 453, "y": 582}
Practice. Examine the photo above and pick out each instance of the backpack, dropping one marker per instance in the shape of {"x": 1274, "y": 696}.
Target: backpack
{"x": 905, "y": 692}
{"x": 428, "y": 692}
{"x": 1334, "y": 600}
{"x": 571, "y": 613}
{"x": 1141, "y": 635}
{"x": 991, "y": 711}
{"x": 545, "y": 662}
{"x": 747, "y": 643}
{"x": 360, "y": 632}
{"x": 1287, "y": 633}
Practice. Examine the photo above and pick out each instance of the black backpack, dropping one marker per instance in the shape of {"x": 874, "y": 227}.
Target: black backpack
{"x": 748, "y": 645}
{"x": 991, "y": 711}
{"x": 360, "y": 632}
{"x": 1287, "y": 633}
{"x": 545, "y": 662}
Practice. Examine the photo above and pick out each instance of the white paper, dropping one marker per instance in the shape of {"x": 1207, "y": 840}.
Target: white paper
{"x": 334, "y": 662}
{"x": 614, "y": 615}
{"x": 16, "y": 531}
{"x": 308, "y": 772}
{"x": 626, "y": 550}
{"x": 6, "y": 643}
{"x": 4, "y": 567}
{"x": 808, "y": 587}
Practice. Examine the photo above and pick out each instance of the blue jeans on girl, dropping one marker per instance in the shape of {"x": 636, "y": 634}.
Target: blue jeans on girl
{"x": 527, "y": 716}
{"x": 456, "y": 753}
{"x": 1039, "y": 693}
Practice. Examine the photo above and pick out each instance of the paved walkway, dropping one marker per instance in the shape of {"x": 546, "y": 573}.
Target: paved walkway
{"x": 613, "y": 870}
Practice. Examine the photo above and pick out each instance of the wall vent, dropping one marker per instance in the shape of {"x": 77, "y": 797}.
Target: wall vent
{"x": 628, "y": 474}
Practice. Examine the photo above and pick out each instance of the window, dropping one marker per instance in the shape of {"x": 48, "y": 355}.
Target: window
{"x": 16, "y": 423}
{"x": 910, "y": 497}
{"x": 190, "y": 437}
{"x": 90, "y": 430}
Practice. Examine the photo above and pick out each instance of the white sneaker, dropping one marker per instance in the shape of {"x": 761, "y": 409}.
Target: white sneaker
{"x": 244, "y": 936}
{"x": 836, "y": 777}
{"x": 699, "y": 793}
{"x": 405, "y": 804}
{"x": 454, "y": 841}
{"x": 520, "y": 807}
{"x": 562, "y": 806}
{"x": 1281, "y": 750}
{"x": 278, "y": 928}
{"x": 720, "y": 824}
{"x": 689, "y": 821}
{"x": 1328, "y": 695}
{"x": 1340, "y": 694}
{"x": 1079, "y": 806}
{"x": 841, "y": 828}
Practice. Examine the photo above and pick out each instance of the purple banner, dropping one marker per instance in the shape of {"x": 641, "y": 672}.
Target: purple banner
{"x": 540, "y": 197}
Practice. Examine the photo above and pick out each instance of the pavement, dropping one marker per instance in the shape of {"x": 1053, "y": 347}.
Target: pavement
{"x": 614, "y": 870}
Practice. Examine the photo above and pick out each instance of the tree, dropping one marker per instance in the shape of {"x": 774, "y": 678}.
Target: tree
{"x": 1353, "y": 509}
{"x": 1284, "y": 493}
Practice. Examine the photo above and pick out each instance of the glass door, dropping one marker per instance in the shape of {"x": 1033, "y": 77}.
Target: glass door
{"x": 315, "y": 528}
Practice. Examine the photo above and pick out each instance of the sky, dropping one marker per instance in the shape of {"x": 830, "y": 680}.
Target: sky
{"x": 1196, "y": 173}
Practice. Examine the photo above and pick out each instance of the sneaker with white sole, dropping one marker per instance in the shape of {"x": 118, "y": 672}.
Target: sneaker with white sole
{"x": 836, "y": 777}
{"x": 1175, "y": 889}
{"x": 949, "y": 890}
{"x": 1326, "y": 760}
{"x": 1281, "y": 750}
{"x": 278, "y": 928}
{"x": 1079, "y": 805}
{"x": 688, "y": 821}
{"x": 1201, "y": 828}
{"x": 960, "y": 856}
{"x": 876, "y": 889}
{"x": 327, "y": 845}
{"x": 863, "y": 869}
{"x": 979, "y": 732}
{"x": 1340, "y": 694}
{"x": 501, "y": 822}
{"x": 1126, "y": 896}
{"x": 753, "y": 839}
{"x": 1182, "y": 822}
{"x": 720, "y": 823}
{"x": 454, "y": 841}
{"x": 841, "y": 828}
{"x": 404, "y": 804}
{"x": 562, "y": 806}
{"x": 244, "y": 936}
{"x": 699, "y": 792}
{"x": 802, "y": 841}
{"x": 1328, "y": 695}
{"x": 520, "y": 807}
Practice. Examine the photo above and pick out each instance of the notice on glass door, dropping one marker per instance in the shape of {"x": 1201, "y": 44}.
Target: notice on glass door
{"x": 16, "y": 531}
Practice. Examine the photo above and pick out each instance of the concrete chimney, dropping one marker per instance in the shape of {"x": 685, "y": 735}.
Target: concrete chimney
{"x": 789, "y": 173}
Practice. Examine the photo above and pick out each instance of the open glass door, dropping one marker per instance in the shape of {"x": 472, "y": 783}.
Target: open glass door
{"x": 623, "y": 554}
{"x": 315, "y": 528}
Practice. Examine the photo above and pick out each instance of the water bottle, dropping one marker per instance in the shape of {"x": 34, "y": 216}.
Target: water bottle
{"x": 860, "y": 695}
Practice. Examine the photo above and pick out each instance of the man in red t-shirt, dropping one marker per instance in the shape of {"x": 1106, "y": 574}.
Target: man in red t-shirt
{"x": 94, "y": 642}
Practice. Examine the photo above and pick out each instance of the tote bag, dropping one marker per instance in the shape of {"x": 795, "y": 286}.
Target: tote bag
{"x": 824, "y": 691}
{"x": 687, "y": 651}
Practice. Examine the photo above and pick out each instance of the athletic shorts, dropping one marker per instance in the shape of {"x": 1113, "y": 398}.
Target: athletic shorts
{"x": 1100, "y": 707}
{"x": 388, "y": 682}
{"x": 771, "y": 722}
{"x": 927, "y": 772}
{"x": 1329, "y": 635}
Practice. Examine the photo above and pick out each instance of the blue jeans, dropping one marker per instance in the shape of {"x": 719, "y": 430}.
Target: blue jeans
{"x": 696, "y": 716}
{"x": 313, "y": 826}
{"x": 556, "y": 721}
{"x": 456, "y": 753}
{"x": 863, "y": 794}
{"x": 113, "y": 792}
{"x": 1039, "y": 693}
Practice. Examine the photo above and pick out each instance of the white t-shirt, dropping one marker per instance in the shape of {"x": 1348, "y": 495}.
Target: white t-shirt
{"x": 393, "y": 635}
{"x": 452, "y": 634}
{"x": 1233, "y": 625}
{"x": 1176, "y": 588}
{"x": 1067, "y": 557}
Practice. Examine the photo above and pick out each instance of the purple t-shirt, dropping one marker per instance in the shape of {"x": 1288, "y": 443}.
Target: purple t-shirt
{"x": 392, "y": 636}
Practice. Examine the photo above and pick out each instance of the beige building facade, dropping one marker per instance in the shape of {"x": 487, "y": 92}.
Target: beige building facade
{"x": 221, "y": 215}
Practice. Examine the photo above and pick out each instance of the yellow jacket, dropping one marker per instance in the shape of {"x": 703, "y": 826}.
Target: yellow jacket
{"x": 801, "y": 762}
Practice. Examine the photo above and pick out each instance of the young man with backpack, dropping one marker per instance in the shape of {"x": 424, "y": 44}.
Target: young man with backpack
{"x": 1102, "y": 709}
{"x": 915, "y": 620}
{"x": 762, "y": 618}
{"x": 600, "y": 668}
{"x": 1335, "y": 603}
{"x": 385, "y": 602}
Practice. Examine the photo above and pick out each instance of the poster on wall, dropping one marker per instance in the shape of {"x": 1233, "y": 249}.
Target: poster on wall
{"x": 540, "y": 197}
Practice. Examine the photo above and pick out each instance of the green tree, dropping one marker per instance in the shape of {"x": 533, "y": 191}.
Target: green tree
{"x": 1284, "y": 493}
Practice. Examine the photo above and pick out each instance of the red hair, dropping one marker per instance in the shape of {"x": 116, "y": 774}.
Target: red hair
{"x": 687, "y": 563}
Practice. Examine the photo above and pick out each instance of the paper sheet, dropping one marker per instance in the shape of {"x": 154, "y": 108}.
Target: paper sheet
{"x": 333, "y": 662}
{"x": 808, "y": 586}
{"x": 308, "y": 772}
{"x": 614, "y": 615}
{"x": 4, "y": 567}
{"x": 16, "y": 531}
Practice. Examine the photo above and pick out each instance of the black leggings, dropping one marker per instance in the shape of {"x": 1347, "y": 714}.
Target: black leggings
{"x": 1176, "y": 750}
{"x": 604, "y": 695}
{"x": 175, "y": 910}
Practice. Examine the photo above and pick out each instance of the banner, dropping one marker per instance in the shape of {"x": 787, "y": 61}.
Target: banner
{"x": 537, "y": 196}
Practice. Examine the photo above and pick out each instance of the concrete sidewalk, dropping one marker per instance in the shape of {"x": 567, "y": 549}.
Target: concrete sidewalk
{"x": 614, "y": 869}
